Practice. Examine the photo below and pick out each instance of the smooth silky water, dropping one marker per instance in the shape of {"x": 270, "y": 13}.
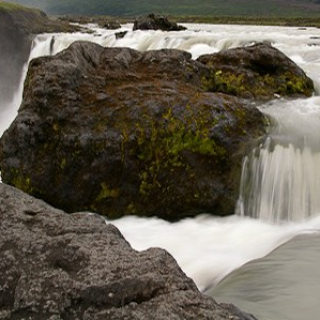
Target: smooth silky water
{"x": 284, "y": 285}
{"x": 265, "y": 258}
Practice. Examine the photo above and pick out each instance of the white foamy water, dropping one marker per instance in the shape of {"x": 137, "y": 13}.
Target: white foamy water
{"x": 280, "y": 179}
{"x": 209, "y": 248}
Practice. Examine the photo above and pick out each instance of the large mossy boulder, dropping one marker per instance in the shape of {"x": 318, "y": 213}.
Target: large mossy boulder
{"x": 117, "y": 131}
{"x": 259, "y": 71}
{"x": 75, "y": 266}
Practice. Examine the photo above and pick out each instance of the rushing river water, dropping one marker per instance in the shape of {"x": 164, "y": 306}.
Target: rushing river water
{"x": 265, "y": 258}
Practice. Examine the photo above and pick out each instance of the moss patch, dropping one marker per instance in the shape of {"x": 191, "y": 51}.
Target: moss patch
{"x": 21, "y": 181}
{"x": 107, "y": 192}
{"x": 163, "y": 145}
{"x": 261, "y": 86}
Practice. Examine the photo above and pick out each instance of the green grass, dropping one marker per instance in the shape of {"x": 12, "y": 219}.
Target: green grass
{"x": 266, "y": 21}
{"x": 32, "y": 20}
{"x": 5, "y": 6}
{"x": 252, "y": 8}
{"x": 271, "y": 21}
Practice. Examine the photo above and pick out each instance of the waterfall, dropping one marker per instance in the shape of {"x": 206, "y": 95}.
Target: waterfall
{"x": 281, "y": 178}
{"x": 280, "y": 183}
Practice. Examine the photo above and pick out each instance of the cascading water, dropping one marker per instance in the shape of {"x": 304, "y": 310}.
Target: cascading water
{"x": 280, "y": 180}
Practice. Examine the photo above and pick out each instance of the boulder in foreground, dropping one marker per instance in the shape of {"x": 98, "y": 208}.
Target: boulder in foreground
{"x": 59, "y": 266}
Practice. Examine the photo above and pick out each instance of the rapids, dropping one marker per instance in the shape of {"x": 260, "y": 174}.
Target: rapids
{"x": 279, "y": 197}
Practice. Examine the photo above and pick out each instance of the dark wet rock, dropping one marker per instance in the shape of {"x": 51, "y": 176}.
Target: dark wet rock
{"x": 120, "y": 35}
{"x": 259, "y": 71}
{"x": 112, "y": 25}
{"x": 117, "y": 131}
{"x": 75, "y": 266}
{"x": 156, "y": 22}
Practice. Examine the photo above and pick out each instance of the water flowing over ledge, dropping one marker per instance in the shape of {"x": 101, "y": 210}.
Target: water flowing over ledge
{"x": 283, "y": 173}
{"x": 281, "y": 178}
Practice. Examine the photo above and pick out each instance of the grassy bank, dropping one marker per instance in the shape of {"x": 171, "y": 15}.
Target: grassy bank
{"x": 252, "y": 20}
{"x": 217, "y": 8}
{"x": 271, "y": 21}
{"x": 11, "y": 7}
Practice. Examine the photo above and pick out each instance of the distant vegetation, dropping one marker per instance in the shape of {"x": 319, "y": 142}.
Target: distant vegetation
{"x": 249, "y": 20}
{"x": 239, "y": 8}
{"x": 10, "y": 6}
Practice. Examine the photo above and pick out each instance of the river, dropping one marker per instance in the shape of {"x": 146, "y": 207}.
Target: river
{"x": 265, "y": 258}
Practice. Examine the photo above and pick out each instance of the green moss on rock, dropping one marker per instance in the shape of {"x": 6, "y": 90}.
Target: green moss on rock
{"x": 258, "y": 71}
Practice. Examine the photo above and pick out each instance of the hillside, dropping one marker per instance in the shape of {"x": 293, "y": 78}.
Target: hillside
{"x": 265, "y": 8}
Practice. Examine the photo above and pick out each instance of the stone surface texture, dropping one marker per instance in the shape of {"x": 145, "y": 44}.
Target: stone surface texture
{"x": 62, "y": 266}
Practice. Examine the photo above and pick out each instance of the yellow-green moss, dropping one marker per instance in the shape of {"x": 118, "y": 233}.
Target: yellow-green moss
{"x": 131, "y": 208}
{"x": 162, "y": 144}
{"x": 223, "y": 81}
{"x": 124, "y": 140}
{"x": 21, "y": 181}
{"x": 55, "y": 127}
{"x": 263, "y": 85}
{"x": 107, "y": 192}
{"x": 63, "y": 163}
{"x": 294, "y": 85}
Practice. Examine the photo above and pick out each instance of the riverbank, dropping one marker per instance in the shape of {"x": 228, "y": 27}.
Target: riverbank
{"x": 240, "y": 20}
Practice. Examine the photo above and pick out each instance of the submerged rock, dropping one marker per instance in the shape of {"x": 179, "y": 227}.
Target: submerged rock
{"x": 156, "y": 22}
{"x": 120, "y": 35}
{"x": 259, "y": 71}
{"x": 117, "y": 131}
{"x": 59, "y": 266}
{"x": 112, "y": 25}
